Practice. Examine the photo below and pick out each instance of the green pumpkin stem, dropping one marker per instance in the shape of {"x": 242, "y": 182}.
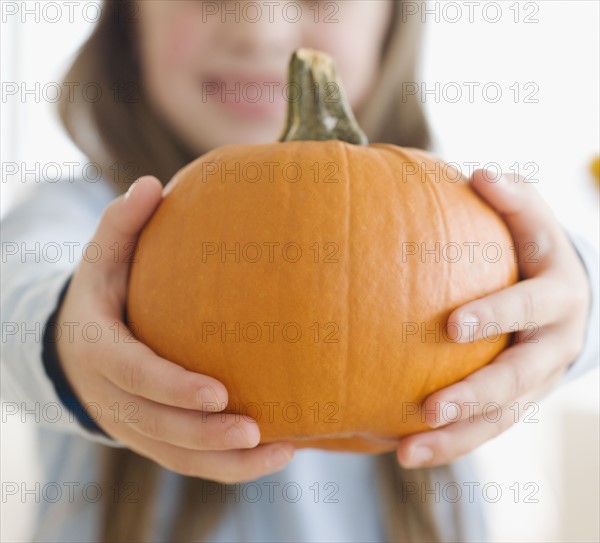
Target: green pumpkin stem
{"x": 317, "y": 106}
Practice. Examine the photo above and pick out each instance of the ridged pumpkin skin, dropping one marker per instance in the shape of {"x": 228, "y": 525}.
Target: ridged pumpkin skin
{"x": 340, "y": 385}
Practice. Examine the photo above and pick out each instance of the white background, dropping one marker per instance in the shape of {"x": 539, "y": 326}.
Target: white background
{"x": 559, "y": 134}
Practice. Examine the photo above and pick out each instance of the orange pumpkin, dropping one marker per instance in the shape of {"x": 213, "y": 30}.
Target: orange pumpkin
{"x": 314, "y": 278}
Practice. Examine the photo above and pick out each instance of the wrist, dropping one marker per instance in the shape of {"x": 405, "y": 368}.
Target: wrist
{"x": 56, "y": 373}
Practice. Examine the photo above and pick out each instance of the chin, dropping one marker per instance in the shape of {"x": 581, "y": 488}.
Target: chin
{"x": 244, "y": 134}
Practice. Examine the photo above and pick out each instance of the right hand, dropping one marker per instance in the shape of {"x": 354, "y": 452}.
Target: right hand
{"x": 164, "y": 401}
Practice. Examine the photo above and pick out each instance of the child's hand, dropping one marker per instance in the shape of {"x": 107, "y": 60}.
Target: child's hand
{"x": 153, "y": 406}
{"x": 549, "y": 306}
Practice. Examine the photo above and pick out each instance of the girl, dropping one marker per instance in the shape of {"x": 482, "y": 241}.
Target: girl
{"x": 170, "y": 471}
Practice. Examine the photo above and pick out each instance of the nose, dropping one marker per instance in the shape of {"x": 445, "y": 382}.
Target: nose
{"x": 263, "y": 29}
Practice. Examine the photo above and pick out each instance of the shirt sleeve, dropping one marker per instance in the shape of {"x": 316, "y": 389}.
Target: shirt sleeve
{"x": 43, "y": 239}
{"x": 589, "y": 356}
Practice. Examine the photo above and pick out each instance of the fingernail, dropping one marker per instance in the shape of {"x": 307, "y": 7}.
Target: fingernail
{"x": 420, "y": 455}
{"x": 279, "y": 457}
{"x": 468, "y": 328}
{"x": 236, "y": 438}
{"x": 447, "y": 412}
{"x": 490, "y": 176}
{"x": 508, "y": 182}
{"x": 130, "y": 190}
{"x": 208, "y": 400}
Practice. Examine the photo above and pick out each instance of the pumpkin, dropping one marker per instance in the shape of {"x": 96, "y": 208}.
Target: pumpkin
{"x": 314, "y": 276}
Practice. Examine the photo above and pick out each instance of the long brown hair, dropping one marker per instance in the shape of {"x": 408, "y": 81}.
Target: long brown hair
{"x": 121, "y": 133}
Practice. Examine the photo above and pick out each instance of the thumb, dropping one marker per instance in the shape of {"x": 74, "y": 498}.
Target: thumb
{"x": 112, "y": 247}
{"x": 529, "y": 219}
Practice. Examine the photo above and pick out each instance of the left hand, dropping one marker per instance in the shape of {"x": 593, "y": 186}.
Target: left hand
{"x": 552, "y": 297}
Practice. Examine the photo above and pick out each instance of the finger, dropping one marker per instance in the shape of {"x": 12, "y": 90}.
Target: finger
{"x": 530, "y": 220}
{"x": 113, "y": 243}
{"x": 182, "y": 427}
{"x": 442, "y": 446}
{"x": 135, "y": 368}
{"x": 241, "y": 465}
{"x": 228, "y": 467}
{"x": 513, "y": 373}
{"x": 527, "y": 305}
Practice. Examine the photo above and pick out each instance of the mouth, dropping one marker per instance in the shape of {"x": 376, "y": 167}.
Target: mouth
{"x": 246, "y": 95}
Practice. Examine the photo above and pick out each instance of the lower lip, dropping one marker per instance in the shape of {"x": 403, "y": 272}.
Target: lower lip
{"x": 252, "y": 100}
